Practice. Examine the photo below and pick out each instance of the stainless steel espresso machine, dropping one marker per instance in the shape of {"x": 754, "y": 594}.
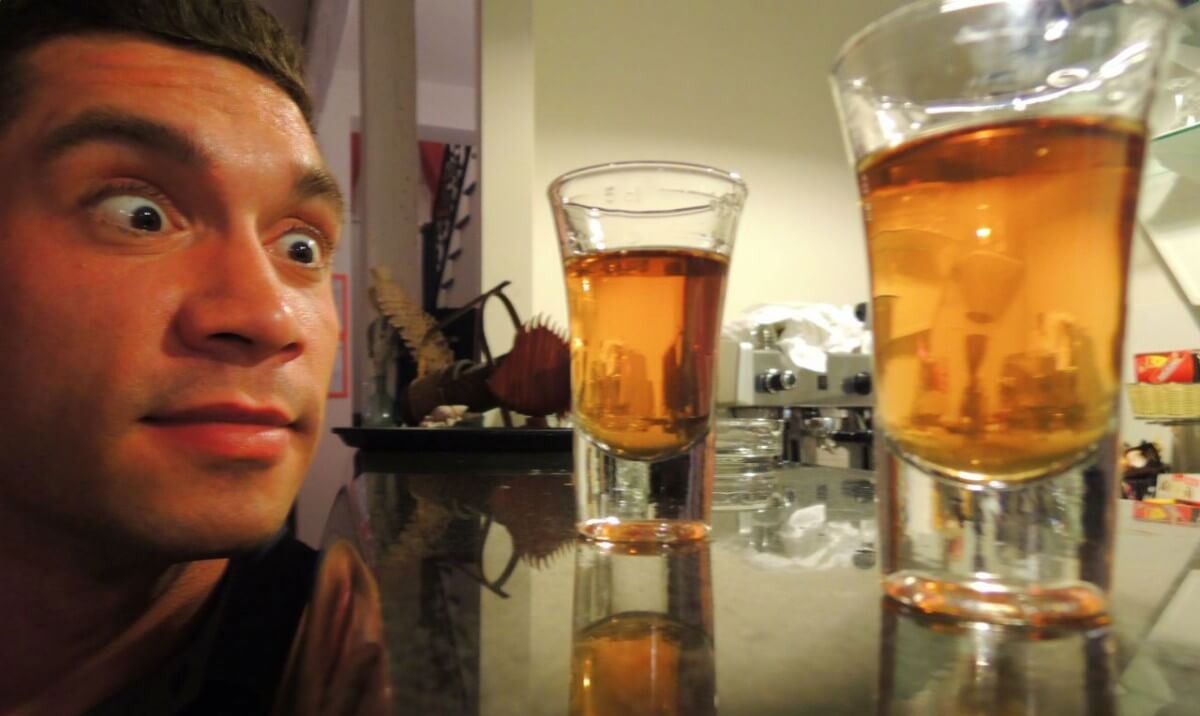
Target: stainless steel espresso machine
{"x": 818, "y": 507}
{"x": 827, "y": 415}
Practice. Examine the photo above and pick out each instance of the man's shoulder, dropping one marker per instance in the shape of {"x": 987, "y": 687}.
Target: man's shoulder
{"x": 268, "y": 592}
{"x": 234, "y": 661}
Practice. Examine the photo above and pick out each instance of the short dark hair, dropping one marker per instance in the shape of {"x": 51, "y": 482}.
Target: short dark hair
{"x": 239, "y": 30}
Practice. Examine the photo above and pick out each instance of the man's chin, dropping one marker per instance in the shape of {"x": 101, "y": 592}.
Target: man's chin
{"x": 167, "y": 506}
{"x": 171, "y": 539}
{"x": 230, "y": 545}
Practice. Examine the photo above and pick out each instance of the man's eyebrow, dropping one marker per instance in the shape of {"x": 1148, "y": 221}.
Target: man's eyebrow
{"x": 105, "y": 125}
{"x": 319, "y": 183}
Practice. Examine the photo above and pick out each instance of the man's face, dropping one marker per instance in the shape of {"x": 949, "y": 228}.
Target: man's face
{"x": 166, "y": 235}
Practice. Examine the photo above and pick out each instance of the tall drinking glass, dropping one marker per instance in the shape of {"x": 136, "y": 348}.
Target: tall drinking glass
{"x": 645, "y": 249}
{"x": 999, "y": 146}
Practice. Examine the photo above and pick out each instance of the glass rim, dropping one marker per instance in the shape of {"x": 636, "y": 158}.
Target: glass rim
{"x": 732, "y": 178}
{"x": 924, "y": 6}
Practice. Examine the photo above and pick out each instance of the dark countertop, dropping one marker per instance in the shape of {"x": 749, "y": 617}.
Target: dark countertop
{"x": 477, "y": 567}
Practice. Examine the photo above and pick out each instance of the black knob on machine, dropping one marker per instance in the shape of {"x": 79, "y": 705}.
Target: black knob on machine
{"x": 779, "y": 382}
{"x": 860, "y": 312}
{"x": 776, "y": 381}
{"x": 858, "y": 384}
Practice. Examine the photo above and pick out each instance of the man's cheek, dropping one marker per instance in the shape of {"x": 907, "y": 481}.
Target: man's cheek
{"x": 326, "y": 344}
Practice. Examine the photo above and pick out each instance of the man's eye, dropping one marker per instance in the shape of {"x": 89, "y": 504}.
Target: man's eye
{"x": 301, "y": 248}
{"x": 133, "y": 213}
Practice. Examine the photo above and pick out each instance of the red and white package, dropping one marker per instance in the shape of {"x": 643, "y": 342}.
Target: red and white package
{"x": 1179, "y": 486}
{"x": 1168, "y": 367}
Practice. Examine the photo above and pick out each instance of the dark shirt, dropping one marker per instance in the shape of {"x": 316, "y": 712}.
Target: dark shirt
{"x": 234, "y": 660}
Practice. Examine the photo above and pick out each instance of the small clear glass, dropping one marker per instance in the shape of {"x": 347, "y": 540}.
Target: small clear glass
{"x": 749, "y": 452}
{"x": 646, "y": 249}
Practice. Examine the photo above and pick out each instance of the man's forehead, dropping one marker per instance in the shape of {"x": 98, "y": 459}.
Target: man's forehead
{"x": 112, "y": 57}
{"x": 186, "y": 107}
{"x": 191, "y": 89}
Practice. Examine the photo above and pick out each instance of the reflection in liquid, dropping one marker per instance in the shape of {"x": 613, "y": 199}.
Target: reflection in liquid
{"x": 993, "y": 338}
{"x": 946, "y": 667}
{"x": 643, "y": 628}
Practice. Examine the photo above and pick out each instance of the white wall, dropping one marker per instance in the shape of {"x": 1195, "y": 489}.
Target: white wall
{"x": 741, "y": 86}
{"x": 507, "y": 147}
{"x": 448, "y": 70}
{"x": 334, "y": 464}
{"x": 447, "y": 113}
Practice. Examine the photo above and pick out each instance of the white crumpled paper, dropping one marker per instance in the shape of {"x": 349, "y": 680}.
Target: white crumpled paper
{"x": 817, "y": 543}
{"x": 808, "y": 332}
{"x": 811, "y": 541}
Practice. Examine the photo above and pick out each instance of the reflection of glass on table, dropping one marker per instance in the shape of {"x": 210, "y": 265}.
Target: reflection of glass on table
{"x": 643, "y": 631}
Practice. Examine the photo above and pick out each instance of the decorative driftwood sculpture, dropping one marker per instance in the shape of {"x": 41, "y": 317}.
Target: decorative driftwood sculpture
{"x": 418, "y": 331}
{"x": 534, "y": 378}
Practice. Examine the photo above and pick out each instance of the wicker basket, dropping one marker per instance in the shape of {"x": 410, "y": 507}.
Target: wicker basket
{"x": 1168, "y": 401}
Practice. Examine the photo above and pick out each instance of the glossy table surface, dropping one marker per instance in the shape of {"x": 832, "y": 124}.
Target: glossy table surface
{"x": 483, "y": 590}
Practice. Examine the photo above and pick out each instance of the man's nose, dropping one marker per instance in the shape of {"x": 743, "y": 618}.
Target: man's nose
{"x": 239, "y": 310}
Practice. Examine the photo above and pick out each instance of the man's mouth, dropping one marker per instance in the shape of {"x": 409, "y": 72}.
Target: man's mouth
{"x": 233, "y": 431}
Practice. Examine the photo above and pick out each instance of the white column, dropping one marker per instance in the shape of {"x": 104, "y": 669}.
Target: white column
{"x": 390, "y": 169}
{"x": 332, "y": 72}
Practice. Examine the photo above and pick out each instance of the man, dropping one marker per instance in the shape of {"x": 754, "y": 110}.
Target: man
{"x": 166, "y": 235}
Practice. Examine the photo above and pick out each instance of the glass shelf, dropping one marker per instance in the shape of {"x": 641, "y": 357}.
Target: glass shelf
{"x": 1168, "y": 212}
{"x": 1178, "y": 151}
{"x": 1173, "y": 134}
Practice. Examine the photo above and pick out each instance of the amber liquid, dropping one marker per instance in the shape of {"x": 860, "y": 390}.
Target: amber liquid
{"x": 644, "y": 327}
{"x": 998, "y": 258}
{"x": 642, "y": 663}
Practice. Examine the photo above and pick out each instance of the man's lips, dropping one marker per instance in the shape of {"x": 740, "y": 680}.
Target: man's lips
{"x": 224, "y": 413}
{"x": 226, "y": 430}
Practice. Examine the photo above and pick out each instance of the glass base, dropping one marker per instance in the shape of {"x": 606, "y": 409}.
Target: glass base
{"x": 988, "y": 601}
{"x": 643, "y": 530}
{"x": 1032, "y": 552}
{"x": 623, "y": 500}
{"x": 929, "y": 665}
